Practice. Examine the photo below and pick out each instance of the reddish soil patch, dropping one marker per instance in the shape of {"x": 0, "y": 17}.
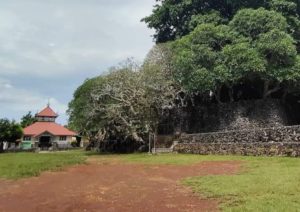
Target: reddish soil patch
{"x": 112, "y": 187}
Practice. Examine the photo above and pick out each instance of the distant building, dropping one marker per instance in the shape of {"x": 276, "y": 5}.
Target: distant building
{"x": 45, "y": 133}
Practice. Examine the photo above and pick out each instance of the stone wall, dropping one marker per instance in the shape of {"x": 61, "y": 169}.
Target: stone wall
{"x": 246, "y": 114}
{"x": 284, "y": 141}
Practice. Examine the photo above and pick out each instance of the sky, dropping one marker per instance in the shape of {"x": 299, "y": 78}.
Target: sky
{"x": 49, "y": 47}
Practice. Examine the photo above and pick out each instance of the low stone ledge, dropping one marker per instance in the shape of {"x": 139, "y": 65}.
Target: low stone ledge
{"x": 291, "y": 149}
{"x": 280, "y": 134}
{"x": 280, "y": 141}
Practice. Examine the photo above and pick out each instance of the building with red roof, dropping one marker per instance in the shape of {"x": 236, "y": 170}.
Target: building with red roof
{"x": 45, "y": 133}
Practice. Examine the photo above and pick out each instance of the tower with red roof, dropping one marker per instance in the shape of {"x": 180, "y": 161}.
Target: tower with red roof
{"x": 46, "y": 133}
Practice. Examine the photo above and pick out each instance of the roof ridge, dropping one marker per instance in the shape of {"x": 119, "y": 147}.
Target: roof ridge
{"x": 51, "y": 127}
{"x": 48, "y": 112}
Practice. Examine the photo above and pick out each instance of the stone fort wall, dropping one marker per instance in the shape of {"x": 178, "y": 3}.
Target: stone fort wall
{"x": 281, "y": 141}
{"x": 248, "y": 127}
{"x": 246, "y": 114}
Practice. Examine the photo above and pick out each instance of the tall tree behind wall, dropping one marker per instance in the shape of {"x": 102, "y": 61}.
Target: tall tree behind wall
{"x": 218, "y": 46}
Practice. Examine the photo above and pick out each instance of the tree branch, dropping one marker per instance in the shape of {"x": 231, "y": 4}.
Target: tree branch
{"x": 268, "y": 92}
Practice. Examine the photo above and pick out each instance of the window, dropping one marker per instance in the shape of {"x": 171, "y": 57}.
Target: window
{"x": 62, "y": 138}
{"x": 27, "y": 138}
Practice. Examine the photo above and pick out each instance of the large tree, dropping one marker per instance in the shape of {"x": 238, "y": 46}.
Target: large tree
{"x": 174, "y": 19}
{"x": 171, "y": 19}
{"x": 127, "y": 104}
{"x": 10, "y": 131}
{"x": 255, "y": 46}
{"x": 80, "y": 109}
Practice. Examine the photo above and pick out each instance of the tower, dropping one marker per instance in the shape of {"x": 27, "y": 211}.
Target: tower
{"x": 46, "y": 115}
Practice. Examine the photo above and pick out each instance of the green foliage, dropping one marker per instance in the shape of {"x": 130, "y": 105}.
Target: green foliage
{"x": 255, "y": 44}
{"x": 213, "y": 17}
{"x": 251, "y": 23}
{"x": 28, "y": 119}
{"x": 126, "y": 103}
{"x": 196, "y": 56}
{"x": 171, "y": 19}
{"x": 10, "y": 131}
{"x": 289, "y": 74}
{"x": 278, "y": 48}
{"x": 81, "y": 106}
{"x": 20, "y": 165}
{"x": 289, "y": 10}
{"x": 284, "y": 7}
{"x": 214, "y": 37}
{"x": 175, "y": 19}
{"x": 239, "y": 61}
{"x": 209, "y": 47}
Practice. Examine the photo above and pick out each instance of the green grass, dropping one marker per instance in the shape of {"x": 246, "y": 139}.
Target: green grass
{"x": 267, "y": 184}
{"x": 263, "y": 184}
{"x": 19, "y": 165}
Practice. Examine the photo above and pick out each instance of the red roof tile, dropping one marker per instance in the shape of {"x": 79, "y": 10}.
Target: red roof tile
{"x": 48, "y": 112}
{"x": 39, "y": 128}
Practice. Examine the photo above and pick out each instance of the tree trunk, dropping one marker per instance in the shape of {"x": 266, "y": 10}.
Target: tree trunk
{"x": 137, "y": 138}
{"x": 285, "y": 93}
{"x": 230, "y": 93}
{"x": 267, "y": 91}
{"x": 1, "y": 146}
{"x": 266, "y": 88}
{"x": 218, "y": 95}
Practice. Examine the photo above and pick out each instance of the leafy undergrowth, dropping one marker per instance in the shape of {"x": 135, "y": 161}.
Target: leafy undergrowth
{"x": 269, "y": 184}
{"x": 19, "y": 165}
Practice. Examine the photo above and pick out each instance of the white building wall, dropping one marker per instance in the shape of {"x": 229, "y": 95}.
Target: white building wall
{"x": 62, "y": 144}
{"x": 54, "y": 139}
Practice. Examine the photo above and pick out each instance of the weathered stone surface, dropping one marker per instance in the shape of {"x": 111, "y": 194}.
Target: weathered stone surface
{"x": 279, "y": 134}
{"x": 252, "y": 127}
{"x": 247, "y": 114}
{"x": 251, "y": 149}
{"x": 283, "y": 141}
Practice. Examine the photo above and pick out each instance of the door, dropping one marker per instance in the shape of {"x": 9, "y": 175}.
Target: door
{"x": 45, "y": 142}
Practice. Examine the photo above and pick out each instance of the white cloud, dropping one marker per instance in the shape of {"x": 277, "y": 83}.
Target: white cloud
{"x": 19, "y": 101}
{"x": 60, "y": 36}
{"x": 48, "y": 46}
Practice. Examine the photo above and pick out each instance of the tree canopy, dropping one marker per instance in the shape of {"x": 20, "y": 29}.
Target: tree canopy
{"x": 28, "y": 119}
{"x": 10, "y": 131}
{"x": 172, "y": 19}
{"x": 209, "y": 49}
{"x": 80, "y": 108}
{"x": 125, "y": 103}
{"x": 219, "y": 45}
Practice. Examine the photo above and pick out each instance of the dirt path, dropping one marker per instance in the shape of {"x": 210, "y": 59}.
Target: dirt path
{"x": 112, "y": 187}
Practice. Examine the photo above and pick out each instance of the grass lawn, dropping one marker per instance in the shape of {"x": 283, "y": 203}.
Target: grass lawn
{"x": 264, "y": 184}
{"x": 19, "y": 165}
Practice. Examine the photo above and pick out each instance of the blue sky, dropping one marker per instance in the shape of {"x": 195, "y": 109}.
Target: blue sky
{"x": 48, "y": 48}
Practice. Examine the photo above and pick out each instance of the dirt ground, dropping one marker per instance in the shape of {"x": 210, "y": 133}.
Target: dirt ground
{"x": 115, "y": 186}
